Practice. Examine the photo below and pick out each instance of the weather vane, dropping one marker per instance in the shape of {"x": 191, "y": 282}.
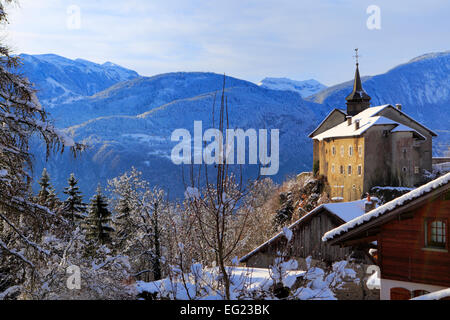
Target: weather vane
{"x": 356, "y": 56}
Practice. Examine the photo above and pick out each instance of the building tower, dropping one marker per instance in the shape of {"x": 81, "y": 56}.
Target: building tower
{"x": 358, "y": 100}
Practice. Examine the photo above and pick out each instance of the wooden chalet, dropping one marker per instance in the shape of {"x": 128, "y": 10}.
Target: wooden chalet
{"x": 306, "y": 237}
{"x": 411, "y": 233}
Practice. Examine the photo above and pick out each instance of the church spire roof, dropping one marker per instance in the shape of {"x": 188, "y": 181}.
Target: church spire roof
{"x": 358, "y": 92}
{"x": 358, "y": 100}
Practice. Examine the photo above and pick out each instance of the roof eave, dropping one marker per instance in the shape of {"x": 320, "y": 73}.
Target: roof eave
{"x": 300, "y": 221}
{"x": 385, "y": 217}
{"x": 311, "y": 135}
{"x": 433, "y": 134}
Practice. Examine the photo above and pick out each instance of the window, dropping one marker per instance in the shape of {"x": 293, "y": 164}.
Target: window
{"x": 360, "y": 151}
{"x": 333, "y": 150}
{"x": 416, "y": 170}
{"x": 332, "y": 168}
{"x": 342, "y": 169}
{"x": 436, "y": 233}
{"x": 350, "y": 151}
{"x": 349, "y": 169}
{"x": 359, "y": 170}
{"x": 404, "y": 169}
{"x": 418, "y": 293}
{"x": 400, "y": 294}
{"x": 342, "y": 151}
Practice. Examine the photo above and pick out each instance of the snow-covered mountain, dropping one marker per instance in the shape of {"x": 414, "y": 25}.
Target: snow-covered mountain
{"x": 60, "y": 80}
{"x": 129, "y": 123}
{"x": 305, "y": 88}
{"x": 421, "y": 85}
{"x": 140, "y": 95}
{"x": 143, "y": 139}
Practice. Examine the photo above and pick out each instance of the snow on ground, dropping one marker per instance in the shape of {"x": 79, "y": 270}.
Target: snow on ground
{"x": 442, "y": 167}
{"x": 391, "y": 205}
{"x": 246, "y": 283}
{"x": 250, "y": 279}
{"x": 252, "y": 283}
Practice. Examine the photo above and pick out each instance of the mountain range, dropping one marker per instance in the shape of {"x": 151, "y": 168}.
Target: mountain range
{"x": 305, "y": 88}
{"x": 127, "y": 119}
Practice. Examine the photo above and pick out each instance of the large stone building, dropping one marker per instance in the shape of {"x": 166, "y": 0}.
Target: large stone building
{"x": 362, "y": 147}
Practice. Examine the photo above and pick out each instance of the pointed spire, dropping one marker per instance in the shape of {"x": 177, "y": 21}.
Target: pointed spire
{"x": 358, "y": 100}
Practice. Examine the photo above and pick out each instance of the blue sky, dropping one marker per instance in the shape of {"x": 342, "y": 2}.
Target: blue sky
{"x": 247, "y": 39}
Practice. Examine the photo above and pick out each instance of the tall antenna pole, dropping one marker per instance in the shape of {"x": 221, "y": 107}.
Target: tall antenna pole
{"x": 356, "y": 56}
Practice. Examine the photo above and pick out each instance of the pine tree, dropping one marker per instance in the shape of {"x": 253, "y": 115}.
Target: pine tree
{"x": 53, "y": 201}
{"x": 47, "y": 195}
{"x": 74, "y": 205}
{"x": 44, "y": 182}
{"x": 98, "y": 223}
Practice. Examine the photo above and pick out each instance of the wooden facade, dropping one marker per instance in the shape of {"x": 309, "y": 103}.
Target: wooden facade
{"x": 404, "y": 254}
{"x": 306, "y": 241}
{"x": 412, "y": 241}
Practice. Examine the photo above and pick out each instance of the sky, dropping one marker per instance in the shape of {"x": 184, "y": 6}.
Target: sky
{"x": 250, "y": 40}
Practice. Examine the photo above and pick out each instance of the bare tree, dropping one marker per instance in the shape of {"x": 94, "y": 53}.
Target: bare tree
{"x": 220, "y": 212}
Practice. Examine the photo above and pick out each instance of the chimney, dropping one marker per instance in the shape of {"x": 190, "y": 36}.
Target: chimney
{"x": 369, "y": 205}
{"x": 349, "y": 120}
{"x": 356, "y": 124}
{"x": 398, "y": 106}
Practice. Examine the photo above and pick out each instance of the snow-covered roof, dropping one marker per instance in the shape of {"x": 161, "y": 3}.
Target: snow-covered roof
{"x": 347, "y": 210}
{"x": 437, "y": 295}
{"x": 344, "y": 210}
{"x": 367, "y": 118}
{"x": 403, "y": 128}
{"x": 387, "y": 207}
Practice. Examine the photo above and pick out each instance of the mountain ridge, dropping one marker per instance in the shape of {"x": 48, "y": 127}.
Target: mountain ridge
{"x": 129, "y": 123}
{"x": 305, "y": 88}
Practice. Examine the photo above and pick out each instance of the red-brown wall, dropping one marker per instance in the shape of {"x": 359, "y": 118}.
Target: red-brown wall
{"x": 401, "y": 246}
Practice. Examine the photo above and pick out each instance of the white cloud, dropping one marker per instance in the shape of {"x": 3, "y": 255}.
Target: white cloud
{"x": 249, "y": 39}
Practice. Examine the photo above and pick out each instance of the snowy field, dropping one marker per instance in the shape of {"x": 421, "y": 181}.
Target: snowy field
{"x": 251, "y": 283}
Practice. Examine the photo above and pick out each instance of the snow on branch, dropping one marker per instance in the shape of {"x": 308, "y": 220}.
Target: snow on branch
{"x": 25, "y": 239}
{"x": 16, "y": 254}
